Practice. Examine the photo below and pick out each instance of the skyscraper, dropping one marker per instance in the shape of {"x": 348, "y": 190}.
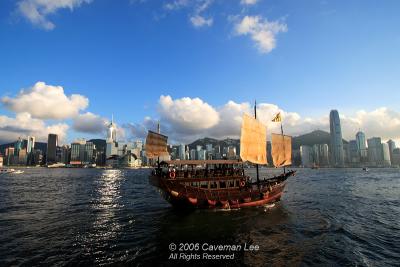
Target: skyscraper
{"x": 52, "y": 143}
{"x": 30, "y": 146}
{"x": 386, "y": 155}
{"x": 361, "y": 146}
{"x": 392, "y": 146}
{"x": 112, "y": 145}
{"x": 375, "y": 151}
{"x": 336, "y": 148}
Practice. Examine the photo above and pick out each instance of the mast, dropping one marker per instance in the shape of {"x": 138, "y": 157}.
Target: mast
{"x": 283, "y": 138}
{"x": 255, "y": 116}
{"x": 159, "y": 132}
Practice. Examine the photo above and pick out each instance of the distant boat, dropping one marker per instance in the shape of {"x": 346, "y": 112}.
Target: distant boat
{"x": 315, "y": 167}
{"x": 365, "y": 169}
{"x": 6, "y": 170}
{"x": 222, "y": 184}
{"x": 17, "y": 172}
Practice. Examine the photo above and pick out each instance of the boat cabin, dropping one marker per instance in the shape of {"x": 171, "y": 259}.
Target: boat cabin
{"x": 204, "y": 174}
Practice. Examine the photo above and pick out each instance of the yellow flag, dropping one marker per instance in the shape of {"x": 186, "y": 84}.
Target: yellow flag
{"x": 277, "y": 118}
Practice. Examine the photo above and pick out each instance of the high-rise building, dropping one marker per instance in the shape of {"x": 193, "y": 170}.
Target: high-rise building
{"x": 112, "y": 145}
{"x": 396, "y": 157}
{"x": 386, "y": 155}
{"x": 18, "y": 146}
{"x": 201, "y": 154}
{"x": 89, "y": 153}
{"x": 324, "y": 155}
{"x": 392, "y": 146}
{"x": 193, "y": 154}
{"x": 337, "y": 153}
{"x": 30, "y": 146}
{"x": 209, "y": 147}
{"x": 375, "y": 152}
{"x": 182, "y": 152}
{"x": 361, "y": 146}
{"x": 354, "y": 155}
{"x": 82, "y": 152}
{"x": 306, "y": 156}
{"x": 52, "y": 143}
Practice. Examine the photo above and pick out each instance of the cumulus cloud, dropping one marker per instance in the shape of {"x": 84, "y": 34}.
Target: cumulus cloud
{"x": 186, "y": 119}
{"x": 37, "y": 11}
{"x": 262, "y": 31}
{"x": 23, "y": 125}
{"x": 187, "y": 115}
{"x": 90, "y": 123}
{"x": 46, "y": 102}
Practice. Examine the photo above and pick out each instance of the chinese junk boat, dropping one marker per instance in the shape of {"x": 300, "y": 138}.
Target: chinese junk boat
{"x": 222, "y": 184}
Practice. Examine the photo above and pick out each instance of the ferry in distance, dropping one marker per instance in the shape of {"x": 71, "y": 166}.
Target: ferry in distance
{"x": 223, "y": 184}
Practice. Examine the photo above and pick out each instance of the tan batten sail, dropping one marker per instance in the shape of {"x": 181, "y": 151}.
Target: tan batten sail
{"x": 253, "y": 141}
{"x": 281, "y": 150}
{"x": 156, "y": 145}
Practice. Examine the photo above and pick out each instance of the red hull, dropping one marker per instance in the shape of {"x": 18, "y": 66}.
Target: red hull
{"x": 178, "y": 193}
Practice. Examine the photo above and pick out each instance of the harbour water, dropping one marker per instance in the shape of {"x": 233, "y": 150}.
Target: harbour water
{"x": 69, "y": 217}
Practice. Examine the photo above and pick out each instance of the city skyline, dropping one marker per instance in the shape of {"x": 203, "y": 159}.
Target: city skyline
{"x": 205, "y": 59}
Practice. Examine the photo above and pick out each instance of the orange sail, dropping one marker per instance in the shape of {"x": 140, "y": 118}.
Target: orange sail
{"x": 156, "y": 145}
{"x": 253, "y": 141}
{"x": 281, "y": 150}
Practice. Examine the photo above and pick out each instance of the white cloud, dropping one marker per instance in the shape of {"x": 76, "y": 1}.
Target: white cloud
{"x": 23, "y": 125}
{"x": 262, "y": 31}
{"x": 37, "y": 11}
{"x": 199, "y": 21}
{"x": 248, "y": 2}
{"x": 187, "y": 115}
{"x": 186, "y": 119}
{"x": 89, "y": 123}
{"x": 46, "y": 102}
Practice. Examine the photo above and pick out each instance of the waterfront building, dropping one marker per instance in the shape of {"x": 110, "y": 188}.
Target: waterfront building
{"x": 9, "y": 156}
{"x": 392, "y": 146}
{"x": 30, "y": 150}
{"x": 386, "y": 155}
{"x": 336, "y": 149}
{"x": 1, "y": 160}
{"x": 111, "y": 141}
{"x": 315, "y": 154}
{"x": 209, "y": 147}
{"x": 65, "y": 154}
{"x": 199, "y": 147}
{"x": 18, "y": 146}
{"x": 30, "y": 146}
{"x": 193, "y": 154}
{"x": 82, "y": 153}
{"x": 22, "y": 157}
{"x": 201, "y": 154}
{"x": 324, "y": 154}
{"x": 354, "y": 154}
{"x": 361, "y": 146}
{"x": 375, "y": 152}
{"x": 396, "y": 157}
{"x": 306, "y": 156}
{"x": 52, "y": 143}
{"x": 231, "y": 153}
{"x": 182, "y": 152}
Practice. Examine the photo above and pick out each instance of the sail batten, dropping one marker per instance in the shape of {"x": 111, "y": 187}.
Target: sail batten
{"x": 253, "y": 141}
{"x": 156, "y": 145}
{"x": 281, "y": 150}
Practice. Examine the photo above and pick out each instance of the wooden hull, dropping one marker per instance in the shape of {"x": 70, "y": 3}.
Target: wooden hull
{"x": 181, "y": 195}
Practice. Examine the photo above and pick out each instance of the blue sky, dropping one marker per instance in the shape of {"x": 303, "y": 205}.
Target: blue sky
{"x": 123, "y": 55}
